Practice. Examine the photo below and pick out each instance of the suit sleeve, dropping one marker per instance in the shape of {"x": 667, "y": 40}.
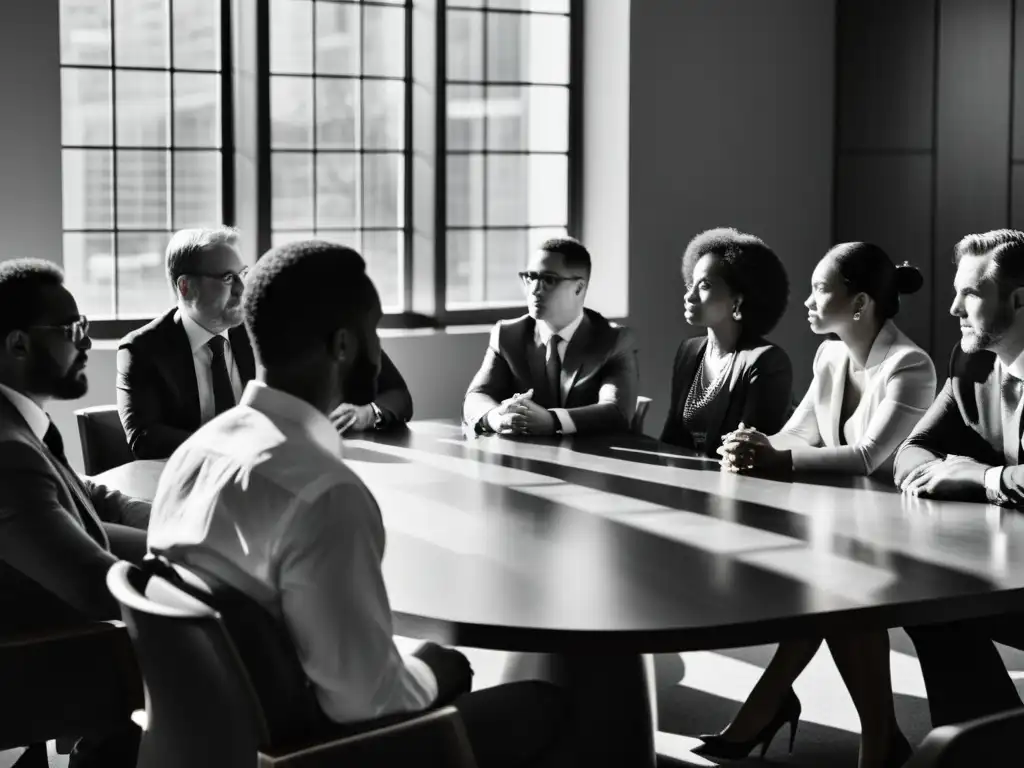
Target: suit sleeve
{"x": 493, "y": 383}
{"x": 393, "y": 397}
{"x": 768, "y": 392}
{"x": 41, "y": 539}
{"x": 940, "y": 431}
{"x": 671, "y": 432}
{"x": 616, "y": 398}
{"x": 138, "y": 404}
{"x": 114, "y": 507}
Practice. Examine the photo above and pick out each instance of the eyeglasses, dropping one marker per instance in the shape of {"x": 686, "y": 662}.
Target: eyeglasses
{"x": 227, "y": 278}
{"x": 74, "y": 331}
{"x": 547, "y": 279}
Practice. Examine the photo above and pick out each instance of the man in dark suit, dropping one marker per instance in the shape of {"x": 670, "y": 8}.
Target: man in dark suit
{"x": 190, "y": 364}
{"x": 59, "y": 533}
{"x": 968, "y": 446}
{"x": 561, "y": 368}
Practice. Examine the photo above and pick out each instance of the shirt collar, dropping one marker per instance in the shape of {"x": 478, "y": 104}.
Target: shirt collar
{"x": 198, "y": 337}
{"x": 545, "y": 331}
{"x": 1016, "y": 368}
{"x": 280, "y": 404}
{"x": 36, "y": 418}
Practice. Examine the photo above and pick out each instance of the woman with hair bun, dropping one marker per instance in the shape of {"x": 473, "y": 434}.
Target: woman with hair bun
{"x": 871, "y": 385}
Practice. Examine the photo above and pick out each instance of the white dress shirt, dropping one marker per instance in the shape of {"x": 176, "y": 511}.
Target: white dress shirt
{"x": 261, "y": 499}
{"x": 202, "y": 359}
{"x": 898, "y": 386}
{"x": 36, "y": 418}
{"x": 542, "y": 334}
{"x": 1010, "y": 441}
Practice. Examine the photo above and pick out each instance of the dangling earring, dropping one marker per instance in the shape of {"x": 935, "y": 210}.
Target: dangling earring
{"x": 737, "y": 315}
{"x": 856, "y": 315}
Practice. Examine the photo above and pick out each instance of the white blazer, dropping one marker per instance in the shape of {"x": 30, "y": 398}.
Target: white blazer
{"x": 898, "y": 388}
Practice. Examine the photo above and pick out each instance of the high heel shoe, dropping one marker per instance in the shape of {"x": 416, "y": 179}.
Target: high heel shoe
{"x": 715, "y": 745}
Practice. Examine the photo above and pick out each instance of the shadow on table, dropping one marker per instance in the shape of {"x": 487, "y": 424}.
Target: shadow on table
{"x": 354, "y": 453}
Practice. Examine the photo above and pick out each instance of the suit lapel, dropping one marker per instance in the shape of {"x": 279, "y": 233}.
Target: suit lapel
{"x": 575, "y": 356}
{"x": 241, "y": 348}
{"x": 185, "y": 367}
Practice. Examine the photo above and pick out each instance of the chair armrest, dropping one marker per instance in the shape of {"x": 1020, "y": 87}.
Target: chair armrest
{"x": 436, "y": 739}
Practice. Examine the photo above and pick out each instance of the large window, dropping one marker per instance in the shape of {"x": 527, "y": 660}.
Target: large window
{"x": 337, "y": 105}
{"x": 507, "y": 142}
{"x": 314, "y": 138}
{"x": 142, "y": 138}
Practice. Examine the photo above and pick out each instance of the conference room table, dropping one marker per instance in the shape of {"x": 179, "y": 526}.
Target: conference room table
{"x": 583, "y": 554}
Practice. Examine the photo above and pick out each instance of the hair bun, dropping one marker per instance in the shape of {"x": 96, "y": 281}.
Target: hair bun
{"x": 908, "y": 278}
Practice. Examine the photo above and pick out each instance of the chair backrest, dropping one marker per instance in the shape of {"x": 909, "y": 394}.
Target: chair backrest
{"x": 202, "y": 709}
{"x": 642, "y": 404}
{"x": 992, "y": 741}
{"x": 104, "y": 445}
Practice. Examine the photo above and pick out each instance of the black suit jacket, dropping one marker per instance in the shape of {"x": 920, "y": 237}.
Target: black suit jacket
{"x": 599, "y": 373}
{"x": 759, "y": 392}
{"x": 59, "y": 534}
{"x": 157, "y": 393}
{"x": 965, "y": 420}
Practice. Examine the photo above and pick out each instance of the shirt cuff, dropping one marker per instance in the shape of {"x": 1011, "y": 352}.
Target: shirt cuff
{"x": 993, "y": 491}
{"x": 568, "y": 426}
{"x": 423, "y": 674}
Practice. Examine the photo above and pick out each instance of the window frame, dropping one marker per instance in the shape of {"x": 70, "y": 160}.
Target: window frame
{"x": 408, "y": 317}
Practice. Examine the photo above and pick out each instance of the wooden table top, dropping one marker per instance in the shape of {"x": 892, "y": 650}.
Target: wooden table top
{"x": 624, "y": 544}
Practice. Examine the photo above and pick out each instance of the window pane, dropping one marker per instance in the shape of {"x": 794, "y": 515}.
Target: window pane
{"x": 350, "y": 238}
{"x": 143, "y": 106}
{"x": 337, "y": 190}
{"x": 383, "y": 41}
{"x": 86, "y": 107}
{"x": 383, "y": 114}
{"x": 89, "y": 271}
{"x": 465, "y": 117}
{"x": 141, "y": 274}
{"x": 337, "y": 113}
{"x": 291, "y": 112}
{"x": 196, "y": 110}
{"x": 507, "y": 253}
{"x": 535, "y": 118}
{"x": 291, "y": 205}
{"x": 383, "y": 254}
{"x": 88, "y": 182}
{"x": 464, "y": 274}
{"x": 197, "y": 34}
{"x": 142, "y": 178}
{"x": 282, "y": 237}
{"x": 197, "y": 189}
{"x": 524, "y": 48}
{"x": 291, "y": 36}
{"x": 551, "y": 6}
{"x": 85, "y": 32}
{"x": 337, "y": 38}
{"x": 383, "y": 191}
{"x": 527, "y": 189}
{"x": 141, "y": 33}
{"x": 465, "y": 184}
{"x": 465, "y": 45}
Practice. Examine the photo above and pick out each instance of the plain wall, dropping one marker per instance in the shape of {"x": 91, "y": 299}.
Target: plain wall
{"x": 731, "y": 123}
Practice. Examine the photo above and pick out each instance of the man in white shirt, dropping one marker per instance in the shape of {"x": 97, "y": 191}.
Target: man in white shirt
{"x": 561, "y": 368}
{"x": 190, "y": 364}
{"x": 968, "y": 446}
{"x": 260, "y": 499}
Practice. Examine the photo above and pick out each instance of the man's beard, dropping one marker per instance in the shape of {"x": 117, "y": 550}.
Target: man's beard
{"x": 46, "y": 378}
{"x": 360, "y": 384}
{"x": 991, "y": 335}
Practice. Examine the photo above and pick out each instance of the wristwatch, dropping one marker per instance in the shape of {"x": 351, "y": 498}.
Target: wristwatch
{"x": 558, "y": 422}
{"x": 378, "y": 420}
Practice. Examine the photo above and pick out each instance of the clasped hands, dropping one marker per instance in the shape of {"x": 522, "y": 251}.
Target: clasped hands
{"x": 356, "y": 418}
{"x": 519, "y": 415}
{"x": 745, "y": 449}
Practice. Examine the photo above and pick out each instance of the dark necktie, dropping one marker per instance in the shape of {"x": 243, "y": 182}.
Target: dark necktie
{"x": 223, "y": 395}
{"x": 55, "y": 443}
{"x": 553, "y": 369}
{"x": 1012, "y": 391}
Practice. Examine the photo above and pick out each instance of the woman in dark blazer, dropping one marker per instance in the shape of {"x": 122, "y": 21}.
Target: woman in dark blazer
{"x": 737, "y": 289}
